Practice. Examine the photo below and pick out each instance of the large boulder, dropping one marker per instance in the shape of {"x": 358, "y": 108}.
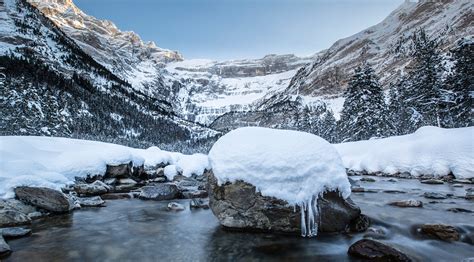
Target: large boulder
{"x": 372, "y": 250}
{"x": 45, "y": 198}
{"x": 239, "y": 205}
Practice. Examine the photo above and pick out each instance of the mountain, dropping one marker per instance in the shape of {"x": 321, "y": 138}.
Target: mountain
{"x": 50, "y": 86}
{"x": 384, "y": 46}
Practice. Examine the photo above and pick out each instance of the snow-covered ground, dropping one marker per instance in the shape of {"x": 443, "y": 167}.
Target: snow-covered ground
{"x": 428, "y": 151}
{"x": 53, "y": 162}
{"x": 289, "y": 165}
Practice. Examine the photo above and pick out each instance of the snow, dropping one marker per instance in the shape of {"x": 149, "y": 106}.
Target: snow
{"x": 428, "y": 151}
{"x": 53, "y": 161}
{"x": 289, "y": 165}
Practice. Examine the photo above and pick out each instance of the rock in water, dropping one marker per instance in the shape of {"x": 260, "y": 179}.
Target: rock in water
{"x": 4, "y": 248}
{"x": 239, "y": 206}
{"x": 376, "y": 251}
{"x": 159, "y": 192}
{"x": 94, "y": 189}
{"x": 440, "y": 231}
{"x": 407, "y": 203}
{"x": 45, "y": 198}
{"x": 367, "y": 179}
{"x": 10, "y": 218}
{"x": 198, "y": 203}
{"x": 470, "y": 193}
{"x": 175, "y": 206}
{"x": 434, "y": 195}
{"x": 119, "y": 171}
{"x": 432, "y": 181}
{"x": 95, "y": 201}
{"x": 14, "y": 232}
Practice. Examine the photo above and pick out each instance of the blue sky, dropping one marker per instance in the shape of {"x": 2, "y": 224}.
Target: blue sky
{"x": 233, "y": 29}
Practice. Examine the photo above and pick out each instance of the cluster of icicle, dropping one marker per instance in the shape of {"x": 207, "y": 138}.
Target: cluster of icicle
{"x": 309, "y": 217}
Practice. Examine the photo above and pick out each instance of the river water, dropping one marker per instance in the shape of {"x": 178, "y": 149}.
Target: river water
{"x": 136, "y": 230}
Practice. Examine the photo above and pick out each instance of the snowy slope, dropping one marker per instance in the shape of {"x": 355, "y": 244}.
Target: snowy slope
{"x": 428, "y": 151}
{"x": 53, "y": 161}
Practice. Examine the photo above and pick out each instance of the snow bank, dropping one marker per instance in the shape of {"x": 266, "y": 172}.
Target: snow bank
{"x": 52, "y": 161}
{"x": 428, "y": 151}
{"x": 289, "y": 165}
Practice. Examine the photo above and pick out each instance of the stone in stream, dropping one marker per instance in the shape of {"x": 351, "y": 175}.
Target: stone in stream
{"x": 435, "y": 195}
{"x": 11, "y": 218}
{"x": 394, "y": 191}
{"x": 440, "y": 231}
{"x": 113, "y": 196}
{"x": 14, "y": 232}
{"x": 432, "y": 181}
{"x": 175, "y": 206}
{"x": 45, "y": 198}
{"x": 375, "y": 233}
{"x": 367, "y": 179}
{"x": 119, "y": 171}
{"x": 198, "y": 203}
{"x": 194, "y": 194}
{"x": 407, "y": 203}
{"x": 462, "y": 181}
{"x": 5, "y": 250}
{"x": 393, "y": 180}
{"x": 95, "y": 201}
{"x": 240, "y": 206}
{"x": 159, "y": 192}
{"x": 457, "y": 185}
{"x": 375, "y": 251}
{"x": 94, "y": 189}
{"x": 470, "y": 193}
{"x": 125, "y": 185}
{"x": 459, "y": 210}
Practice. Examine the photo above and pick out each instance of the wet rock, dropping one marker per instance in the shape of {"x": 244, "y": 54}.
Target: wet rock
{"x": 114, "y": 196}
{"x": 440, "y": 231}
{"x": 367, "y": 179}
{"x": 359, "y": 224}
{"x": 175, "y": 206}
{"x": 45, "y": 198}
{"x": 407, "y": 203}
{"x": 432, "y": 181}
{"x": 434, "y": 195}
{"x": 110, "y": 181}
{"x": 457, "y": 185}
{"x": 357, "y": 189}
{"x": 94, "y": 189}
{"x": 376, "y": 251}
{"x": 11, "y": 218}
{"x": 5, "y": 250}
{"x": 462, "y": 181}
{"x": 95, "y": 201}
{"x": 470, "y": 194}
{"x": 159, "y": 192}
{"x": 194, "y": 194}
{"x": 199, "y": 203}
{"x": 35, "y": 215}
{"x": 376, "y": 233}
{"x": 459, "y": 210}
{"x": 15, "y": 204}
{"x": 239, "y": 206}
{"x": 125, "y": 185}
{"x": 119, "y": 171}
{"x": 393, "y": 180}
{"x": 14, "y": 232}
{"x": 159, "y": 179}
{"x": 394, "y": 191}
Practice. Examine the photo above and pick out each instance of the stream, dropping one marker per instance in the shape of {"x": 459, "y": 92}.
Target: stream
{"x": 137, "y": 230}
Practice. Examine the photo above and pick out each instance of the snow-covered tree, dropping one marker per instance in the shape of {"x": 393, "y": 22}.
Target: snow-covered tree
{"x": 459, "y": 85}
{"x": 363, "y": 114}
{"x": 329, "y": 127}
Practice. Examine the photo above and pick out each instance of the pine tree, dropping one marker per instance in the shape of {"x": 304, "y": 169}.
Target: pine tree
{"x": 329, "y": 127}
{"x": 363, "y": 114}
{"x": 423, "y": 94}
{"x": 459, "y": 85}
{"x": 304, "y": 121}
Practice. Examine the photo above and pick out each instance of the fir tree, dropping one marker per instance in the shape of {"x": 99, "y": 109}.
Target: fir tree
{"x": 329, "y": 127}
{"x": 363, "y": 113}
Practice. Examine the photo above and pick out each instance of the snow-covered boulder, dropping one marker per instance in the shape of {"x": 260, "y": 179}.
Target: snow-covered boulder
{"x": 279, "y": 180}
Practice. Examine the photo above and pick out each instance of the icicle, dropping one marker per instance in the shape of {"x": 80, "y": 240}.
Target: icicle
{"x": 303, "y": 219}
{"x": 309, "y": 217}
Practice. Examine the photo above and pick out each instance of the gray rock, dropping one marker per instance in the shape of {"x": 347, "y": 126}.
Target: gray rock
{"x": 159, "y": 192}
{"x": 123, "y": 170}
{"x": 194, "y": 194}
{"x": 394, "y": 191}
{"x": 432, "y": 181}
{"x": 15, "y": 204}
{"x": 440, "y": 231}
{"x": 367, "y": 179}
{"x": 95, "y": 201}
{"x": 35, "y": 215}
{"x": 458, "y": 185}
{"x": 239, "y": 206}
{"x": 407, "y": 203}
{"x": 199, "y": 203}
{"x": 113, "y": 196}
{"x": 175, "y": 206}
{"x": 11, "y": 218}
{"x": 393, "y": 180}
{"x": 459, "y": 210}
{"x": 159, "y": 179}
{"x": 470, "y": 194}
{"x": 375, "y": 251}
{"x": 435, "y": 195}
{"x": 14, "y": 232}
{"x": 462, "y": 181}
{"x": 110, "y": 181}
{"x": 45, "y": 198}
{"x": 5, "y": 250}
{"x": 94, "y": 189}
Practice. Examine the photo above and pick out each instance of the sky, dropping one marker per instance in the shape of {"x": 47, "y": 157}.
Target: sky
{"x": 237, "y": 29}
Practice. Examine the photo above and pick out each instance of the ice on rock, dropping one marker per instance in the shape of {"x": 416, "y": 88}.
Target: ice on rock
{"x": 293, "y": 166}
{"x": 429, "y": 151}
